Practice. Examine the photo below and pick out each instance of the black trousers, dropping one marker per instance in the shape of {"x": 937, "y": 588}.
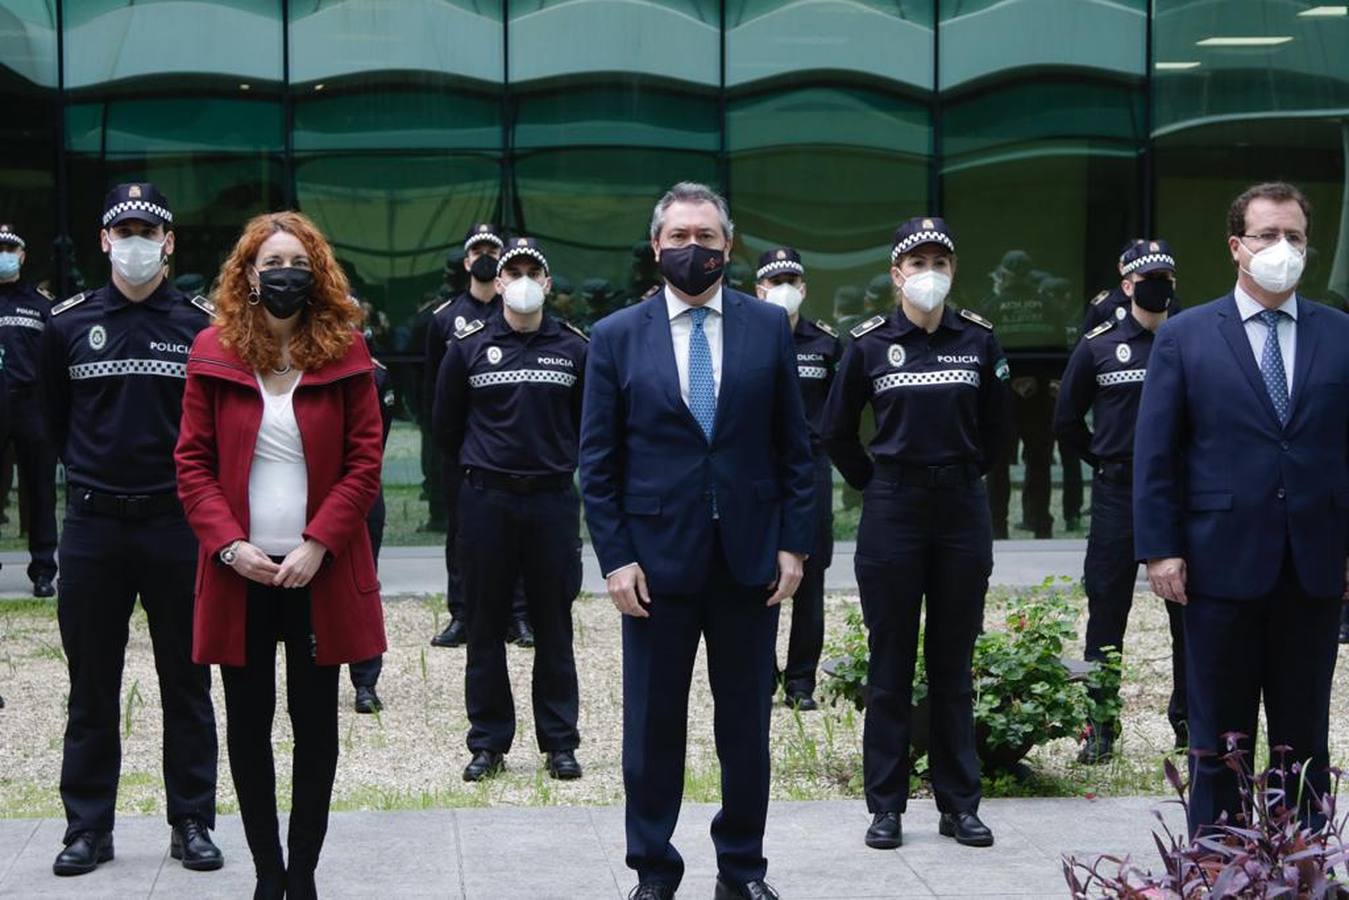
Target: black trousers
{"x": 366, "y": 672}
{"x": 1281, "y": 646}
{"x": 658, "y": 656}
{"x": 806, "y": 640}
{"x": 280, "y": 614}
{"x": 1072, "y": 483}
{"x": 1108, "y": 575}
{"x": 36, "y": 462}
{"x": 1033, "y": 421}
{"x": 453, "y": 476}
{"x": 106, "y": 563}
{"x": 537, "y": 537}
{"x": 917, "y": 543}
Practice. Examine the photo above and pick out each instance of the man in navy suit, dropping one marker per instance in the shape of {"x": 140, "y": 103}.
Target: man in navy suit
{"x": 698, "y": 483}
{"x": 1241, "y": 499}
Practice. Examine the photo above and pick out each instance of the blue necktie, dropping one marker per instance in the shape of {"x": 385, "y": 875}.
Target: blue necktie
{"x": 702, "y": 389}
{"x": 1271, "y": 364}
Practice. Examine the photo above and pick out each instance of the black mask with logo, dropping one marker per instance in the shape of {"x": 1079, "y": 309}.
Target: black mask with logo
{"x": 692, "y": 268}
{"x": 484, "y": 268}
{"x": 1154, "y": 294}
{"x": 285, "y": 291}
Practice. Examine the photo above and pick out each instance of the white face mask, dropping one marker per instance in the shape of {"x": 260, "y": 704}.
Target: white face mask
{"x": 927, "y": 290}
{"x": 1277, "y": 268}
{"x": 788, "y": 296}
{"x": 137, "y": 259}
{"x": 523, "y": 295}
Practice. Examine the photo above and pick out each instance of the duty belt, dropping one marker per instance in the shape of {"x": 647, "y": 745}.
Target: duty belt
{"x": 126, "y": 506}
{"x": 955, "y": 475}
{"x": 517, "y": 484}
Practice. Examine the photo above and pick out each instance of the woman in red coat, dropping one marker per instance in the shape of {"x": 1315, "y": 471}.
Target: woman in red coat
{"x": 278, "y": 464}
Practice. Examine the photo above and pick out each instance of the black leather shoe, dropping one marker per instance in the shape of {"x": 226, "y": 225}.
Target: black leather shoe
{"x": 484, "y": 764}
{"x": 367, "y": 701}
{"x": 454, "y": 635}
{"x": 84, "y": 853}
{"x": 885, "y": 832}
{"x": 801, "y": 700}
{"x": 520, "y": 633}
{"x": 562, "y": 765}
{"x": 191, "y": 843}
{"x": 1099, "y": 746}
{"x": 651, "y": 891}
{"x": 750, "y": 890}
{"x": 42, "y": 587}
{"x": 966, "y": 828}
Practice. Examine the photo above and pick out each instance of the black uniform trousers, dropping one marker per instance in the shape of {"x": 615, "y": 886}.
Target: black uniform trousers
{"x": 366, "y": 672}
{"x": 806, "y": 640}
{"x": 37, "y": 473}
{"x": 1033, "y": 418}
{"x": 281, "y": 614}
{"x": 658, "y": 656}
{"x": 1072, "y": 483}
{"x": 453, "y": 477}
{"x": 1110, "y": 571}
{"x": 106, "y": 562}
{"x": 1281, "y": 646}
{"x": 922, "y": 541}
{"x": 535, "y": 534}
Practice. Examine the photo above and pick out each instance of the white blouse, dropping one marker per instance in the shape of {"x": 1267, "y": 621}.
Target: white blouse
{"x": 278, "y": 483}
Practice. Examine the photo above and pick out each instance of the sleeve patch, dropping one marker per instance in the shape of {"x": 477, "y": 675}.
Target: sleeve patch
{"x": 1002, "y": 370}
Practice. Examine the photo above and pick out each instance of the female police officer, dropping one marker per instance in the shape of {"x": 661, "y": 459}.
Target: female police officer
{"x": 934, "y": 378}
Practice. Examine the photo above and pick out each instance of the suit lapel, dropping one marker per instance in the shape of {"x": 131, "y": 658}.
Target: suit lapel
{"x": 1234, "y": 332}
{"x": 1303, "y": 349}
{"x": 660, "y": 351}
{"x": 733, "y": 328}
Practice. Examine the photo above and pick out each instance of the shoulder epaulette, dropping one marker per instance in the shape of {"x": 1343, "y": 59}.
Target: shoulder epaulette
{"x": 976, "y": 319}
{"x": 436, "y": 311}
{"x": 70, "y": 303}
{"x": 378, "y": 364}
{"x": 1096, "y": 301}
{"x": 1100, "y": 329}
{"x": 826, "y": 327}
{"x": 574, "y": 330}
{"x": 471, "y": 328}
{"x": 203, "y": 304}
{"x": 46, "y": 293}
{"x": 869, "y": 325}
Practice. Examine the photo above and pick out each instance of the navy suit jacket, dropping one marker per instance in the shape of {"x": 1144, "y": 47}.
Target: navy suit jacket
{"x": 648, "y": 472}
{"x": 1218, "y": 481}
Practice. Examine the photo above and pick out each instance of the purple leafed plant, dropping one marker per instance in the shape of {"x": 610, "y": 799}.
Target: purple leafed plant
{"x": 1267, "y": 850}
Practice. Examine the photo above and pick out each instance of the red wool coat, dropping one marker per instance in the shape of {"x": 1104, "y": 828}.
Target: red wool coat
{"x": 338, "y": 415}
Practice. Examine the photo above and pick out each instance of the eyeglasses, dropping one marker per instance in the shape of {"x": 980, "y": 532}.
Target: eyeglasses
{"x": 1296, "y": 239}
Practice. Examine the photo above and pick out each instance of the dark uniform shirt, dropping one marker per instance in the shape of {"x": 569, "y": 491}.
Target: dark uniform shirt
{"x": 113, "y": 377}
{"x": 1107, "y": 306}
{"x": 818, "y": 350}
{"x": 510, "y": 401}
{"x": 24, "y": 311}
{"x": 1104, "y": 375}
{"x": 449, "y": 317}
{"x": 939, "y": 399}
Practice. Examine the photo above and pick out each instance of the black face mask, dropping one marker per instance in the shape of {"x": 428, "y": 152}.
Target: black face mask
{"x": 285, "y": 291}
{"x": 484, "y": 268}
{"x": 692, "y": 268}
{"x": 1154, "y": 294}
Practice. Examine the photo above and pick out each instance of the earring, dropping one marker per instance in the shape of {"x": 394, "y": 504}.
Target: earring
{"x": 254, "y": 298}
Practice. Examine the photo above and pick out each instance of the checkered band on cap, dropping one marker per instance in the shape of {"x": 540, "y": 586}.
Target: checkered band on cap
{"x": 521, "y": 251}
{"x": 9, "y": 237}
{"x": 1148, "y": 259}
{"x": 484, "y": 237}
{"x": 153, "y": 209}
{"x": 922, "y": 237}
{"x": 778, "y": 266}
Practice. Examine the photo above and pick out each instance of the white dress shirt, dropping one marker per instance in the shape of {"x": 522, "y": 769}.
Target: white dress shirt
{"x": 1257, "y": 331}
{"x": 681, "y": 326}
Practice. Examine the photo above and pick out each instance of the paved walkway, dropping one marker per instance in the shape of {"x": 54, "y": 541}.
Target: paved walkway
{"x": 421, "y": 570}
{"x": 814, "y": 850}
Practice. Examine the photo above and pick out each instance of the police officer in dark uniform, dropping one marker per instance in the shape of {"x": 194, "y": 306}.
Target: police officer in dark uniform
{"x": 482, "y": 248}
{"x": 1105, "y": 377}
{"x": 508, "y": 409}
{"x": 934, "y": 378}
{"x": 781, "y": 279}
{"x": 24, "y": 310}
{"x": 1111, "y": 304}
{"x": 365, "y": 674}
{"x": 114, "y": 366}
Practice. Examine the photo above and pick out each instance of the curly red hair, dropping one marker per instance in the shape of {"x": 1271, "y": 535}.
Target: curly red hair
{"x": 328, "y": 321}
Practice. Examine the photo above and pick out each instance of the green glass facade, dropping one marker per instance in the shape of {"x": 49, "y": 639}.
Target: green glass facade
{"x": 1058, "y": 128}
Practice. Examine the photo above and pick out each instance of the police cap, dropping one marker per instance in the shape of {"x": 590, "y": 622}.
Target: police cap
{"x": 778, "y": 261}
{"x": 483, "y": 232}
{"x": 521, "y": 246}
{"x": 919, "y": 231}
{"x": 10, "y": 238}
{"x": 1148, "y": 256}
{"x": 136, "y": 200}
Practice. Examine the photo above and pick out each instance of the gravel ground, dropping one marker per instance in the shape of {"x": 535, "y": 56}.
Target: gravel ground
{"x": 411, "y": 756}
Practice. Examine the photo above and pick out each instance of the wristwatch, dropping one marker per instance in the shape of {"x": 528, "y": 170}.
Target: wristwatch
{"x": 230, "y": 553}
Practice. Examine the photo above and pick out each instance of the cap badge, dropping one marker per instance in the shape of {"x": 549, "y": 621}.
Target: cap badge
{"x": 134, "y": 191}
{"x": 494, "y": 355}
{"x": 1154, "y": 247}
{"x": 782, "y": 254}
{"x": 1123, "y": 353}
{"x": 484, "y": 227}
{"x": 929, "y": 224}
{"x": 895, "y": 355}
{"x": 523, "y": 242}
